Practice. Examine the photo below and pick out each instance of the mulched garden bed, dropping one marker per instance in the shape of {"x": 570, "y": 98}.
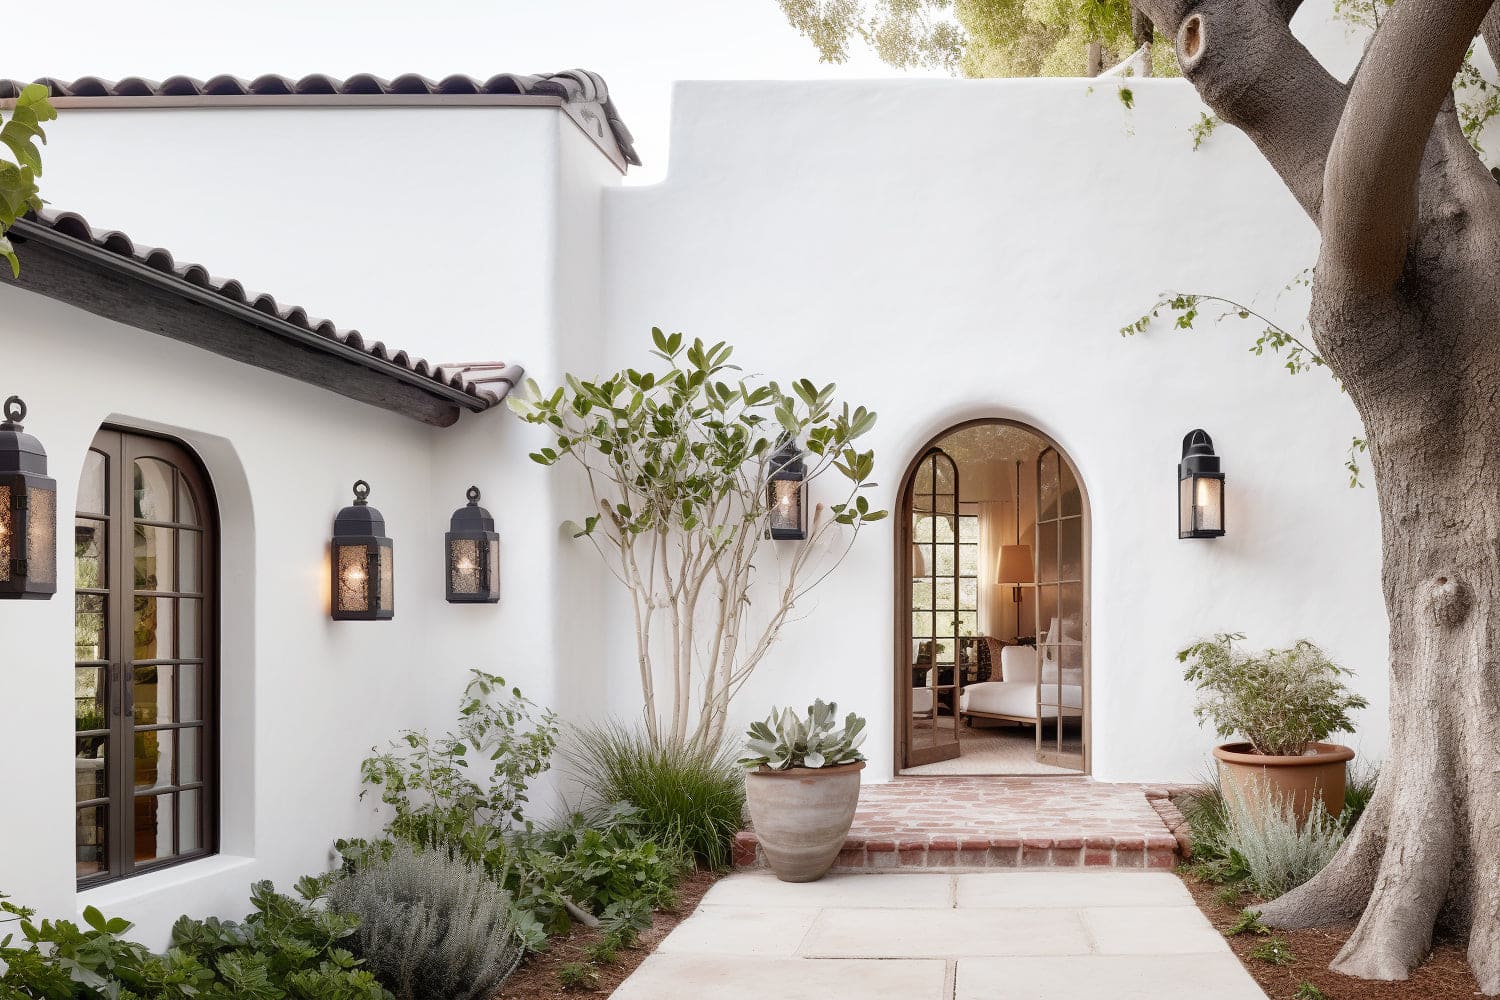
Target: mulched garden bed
{"x": 1444, "y": 976}
{"x": 537, "y": 978}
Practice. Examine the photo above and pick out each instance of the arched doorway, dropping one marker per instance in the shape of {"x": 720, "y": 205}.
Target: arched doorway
{"x": 992, "y": 656}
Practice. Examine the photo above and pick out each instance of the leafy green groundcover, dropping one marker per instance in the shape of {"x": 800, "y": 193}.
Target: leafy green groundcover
{"x": 287, "y": 949}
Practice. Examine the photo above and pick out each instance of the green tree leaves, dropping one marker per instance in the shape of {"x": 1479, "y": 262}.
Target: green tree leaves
{"x": 18, "y": 187}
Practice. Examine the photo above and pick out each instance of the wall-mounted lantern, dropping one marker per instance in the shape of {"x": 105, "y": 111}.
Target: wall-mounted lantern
{"x": 28, "y": 512}
{"x": 787, "y": 494}
{"x": 473, "y": 555}
{"x": 363, "y": 575}
{"x": 1200, "y": 489}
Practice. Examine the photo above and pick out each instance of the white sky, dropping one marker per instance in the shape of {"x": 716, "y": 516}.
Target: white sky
{"x": 639, "y": 48}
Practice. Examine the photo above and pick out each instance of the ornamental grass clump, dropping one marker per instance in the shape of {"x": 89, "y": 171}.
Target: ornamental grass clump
{"x": 1274, "y": 851}
{"x": 429, "y": 924}
{"x": 785, "y": 740}
{"x": 685, "y": 796}
{"x": 1280, "y": 701}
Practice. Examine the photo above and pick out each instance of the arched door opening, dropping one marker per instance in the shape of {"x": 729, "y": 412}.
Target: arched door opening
{"x": 992, "y": 650}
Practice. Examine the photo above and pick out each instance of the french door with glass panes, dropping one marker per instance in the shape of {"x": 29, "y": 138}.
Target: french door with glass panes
{"x": 1062, "y": 696}
{"x": 145, "y": 659}
{"x": 944, "y": 600}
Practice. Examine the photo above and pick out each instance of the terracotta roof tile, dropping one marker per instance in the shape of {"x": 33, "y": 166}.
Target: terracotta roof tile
{"x": 489, "y": 383}
{"x": 578, "y": 88}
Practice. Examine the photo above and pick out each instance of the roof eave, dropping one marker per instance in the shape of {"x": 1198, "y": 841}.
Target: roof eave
{"x": 124, "y": 289}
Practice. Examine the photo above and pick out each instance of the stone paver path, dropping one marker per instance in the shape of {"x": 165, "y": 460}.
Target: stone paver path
{"x": 954, "y": 822}
{"x": 1023, "y": 935}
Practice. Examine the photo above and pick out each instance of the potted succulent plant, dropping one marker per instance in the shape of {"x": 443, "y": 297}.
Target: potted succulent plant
{"x": 802, "y": 787}
{"x": 1283, "y": 704}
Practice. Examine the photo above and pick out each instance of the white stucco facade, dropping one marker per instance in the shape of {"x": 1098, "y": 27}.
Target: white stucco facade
{"x": 942, "y": 250}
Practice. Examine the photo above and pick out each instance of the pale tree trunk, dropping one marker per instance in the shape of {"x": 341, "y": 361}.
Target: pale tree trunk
{"x": 1406, "y": 311}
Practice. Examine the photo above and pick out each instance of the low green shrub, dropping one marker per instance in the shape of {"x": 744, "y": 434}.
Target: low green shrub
{"x": 1248, "y": 923}
{"x": 287, "y": 949}
{"x": 462, "y": 793}
{"x": 429, "y": 924}
{"x": 1279, "y": 853}
{"x": 1358, "y": 791}
{"x": 1273, "y": 951}
{"x": 1307, "y": 991}
{"x": 577, "y": 976}
{"x": 690, "y": 797}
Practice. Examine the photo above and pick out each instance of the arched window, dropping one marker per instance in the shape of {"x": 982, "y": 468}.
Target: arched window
{"x": 145, "y": 658}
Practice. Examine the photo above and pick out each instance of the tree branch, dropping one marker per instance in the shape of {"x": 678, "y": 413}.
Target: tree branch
{"x": 1489, "y": 29}
{"x": 1371, "y": 179}
{"x": 1248, "y": 67}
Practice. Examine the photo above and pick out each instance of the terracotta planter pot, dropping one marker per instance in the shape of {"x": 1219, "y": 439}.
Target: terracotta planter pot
{"x": 1316, "y": 775}
{"x": 802, "y": 816}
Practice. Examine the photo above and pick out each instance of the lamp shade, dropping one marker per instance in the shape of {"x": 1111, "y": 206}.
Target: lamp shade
{"x": 1016, "y": 565}
{"x": 1200, "y": 488}
{"x": 363, "y": 574}
{"x": 472, "y": 549}
{"x": 28, "y": 511}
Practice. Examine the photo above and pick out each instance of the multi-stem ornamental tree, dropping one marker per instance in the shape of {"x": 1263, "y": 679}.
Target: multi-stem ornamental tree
{"x": 678, "y": 463}
{"x": 1406, "y": 313}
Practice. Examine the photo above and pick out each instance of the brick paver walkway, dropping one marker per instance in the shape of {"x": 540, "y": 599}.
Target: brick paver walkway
{"x": 955, "y": 822}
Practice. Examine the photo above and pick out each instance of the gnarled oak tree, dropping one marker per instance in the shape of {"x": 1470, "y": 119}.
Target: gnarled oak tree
{"x": 1406, "y": 312}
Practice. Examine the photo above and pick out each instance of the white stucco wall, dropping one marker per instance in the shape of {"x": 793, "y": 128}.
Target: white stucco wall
{"x": 948, "y": 250}
{"x": 941, "y": 250}
{"x": 505, "y": 266}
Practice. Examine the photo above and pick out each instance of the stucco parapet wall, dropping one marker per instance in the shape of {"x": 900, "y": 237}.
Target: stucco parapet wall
{"x": 106, "y": 273}
{"x": 580, "y": 94}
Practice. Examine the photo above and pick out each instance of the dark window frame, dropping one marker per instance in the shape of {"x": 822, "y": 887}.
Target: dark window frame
{"x": 122, "y": 448}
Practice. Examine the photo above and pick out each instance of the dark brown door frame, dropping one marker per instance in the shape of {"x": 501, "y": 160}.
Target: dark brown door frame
{"x": 901, "y": 624}
{"x": 123, "y": 446}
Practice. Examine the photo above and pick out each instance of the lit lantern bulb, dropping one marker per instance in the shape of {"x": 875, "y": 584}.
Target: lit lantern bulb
{"x": 355, "y": 575}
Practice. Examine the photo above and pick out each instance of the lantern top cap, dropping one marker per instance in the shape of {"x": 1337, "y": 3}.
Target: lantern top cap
{"x": 473, "y": 517}
{"x": 15, "y": 412}
{"x": 19, "y": 451}
{"x": 1198, "y": 456}
{"x": 786, "y": 463}
{"x": 360, "y": 519}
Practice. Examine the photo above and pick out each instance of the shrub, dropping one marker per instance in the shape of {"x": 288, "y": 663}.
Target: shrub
{"x": 684, "y": 796}
{"x": 1278, "y": 853}
{"x": 1273, "y": 951}
{"x": 1358, "y": 792}
{"x": 439, "y": 795}
{"x": 287, "y": 948}
{"x": 577, "y": 976}
{"x": 1280, "y": 700}
{"x": 430, "y": 924}
{"x": 785, "y": 741}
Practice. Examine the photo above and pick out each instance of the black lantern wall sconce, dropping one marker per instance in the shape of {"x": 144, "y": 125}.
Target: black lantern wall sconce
{"x": 472, "y": 554}
{"x": 363, "y": 575}
{"x": 787, "y": 494}
{"x": 28, "y": 512}
{"x": 1200, "y": 489}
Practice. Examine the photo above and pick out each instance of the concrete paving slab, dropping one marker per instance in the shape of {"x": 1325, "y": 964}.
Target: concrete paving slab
{"x": 762, "y": 889}
{"x": 1117, "y": 977}
{"x": 1071, "y": 889}
{"x": 1151, "y": 930}
{"x": 696, "y": 977}
{"x": 910, "y": 933}
{"x": 734, "y": 930}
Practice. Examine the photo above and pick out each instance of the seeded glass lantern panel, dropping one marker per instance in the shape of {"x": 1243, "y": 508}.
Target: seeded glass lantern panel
{"x": 363, "y": 564}
{"x": 28, "y": 512}
{"x": 1200, "y": 489}
{"x": 787, "y": 494}
{"x": 472, "y": 550}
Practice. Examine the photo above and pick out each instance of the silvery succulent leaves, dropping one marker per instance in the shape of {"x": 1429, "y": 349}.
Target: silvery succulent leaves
{"x": 786, "y": 740}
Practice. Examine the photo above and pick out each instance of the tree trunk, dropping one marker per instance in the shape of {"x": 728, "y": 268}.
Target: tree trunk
{"x": 1406, "y": 312}
{"x": 1422, "y": 365}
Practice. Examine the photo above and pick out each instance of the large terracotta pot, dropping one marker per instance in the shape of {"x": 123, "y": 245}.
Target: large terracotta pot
{"x": 1317, "y": 775}
{"x": 802, "y": 815}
